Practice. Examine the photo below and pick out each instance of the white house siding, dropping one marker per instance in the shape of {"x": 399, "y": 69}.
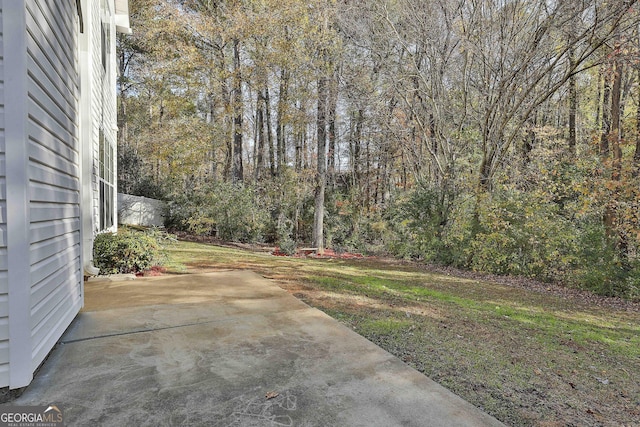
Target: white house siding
{"x": 103, "y": 101}
{"x": 40, "y": 256}
{"x": 60, "y": 103}
{"x": 96, "y": 76}
{"x": 109, "y": 114}
{"x": 97, "y": 118}
{"x": 4, "y": 284}
{"x": 54, "y": 173}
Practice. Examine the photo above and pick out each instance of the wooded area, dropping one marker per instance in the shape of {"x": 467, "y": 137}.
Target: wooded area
{"x": 496, "y": 135}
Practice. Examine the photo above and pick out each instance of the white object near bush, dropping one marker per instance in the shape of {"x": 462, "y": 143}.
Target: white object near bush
{"x": 137, "y": 210}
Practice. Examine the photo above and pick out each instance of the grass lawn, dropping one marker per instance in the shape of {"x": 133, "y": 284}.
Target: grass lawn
{"x": 527, "y": 358}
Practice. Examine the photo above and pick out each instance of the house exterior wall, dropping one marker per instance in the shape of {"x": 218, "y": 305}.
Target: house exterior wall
{"x": 103, "y": 111}
{"x": 53, "y": 172}
{"x": 57, "y": 115}
{"x": 98, "y": 129}
{"x": 42, "y": 179}
{"x": 4, "y": 283}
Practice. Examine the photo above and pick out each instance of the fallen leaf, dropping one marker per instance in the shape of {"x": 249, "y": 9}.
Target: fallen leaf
{"x": 271, "y": 395}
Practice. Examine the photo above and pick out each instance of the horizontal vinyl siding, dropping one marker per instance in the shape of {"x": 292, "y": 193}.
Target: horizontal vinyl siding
{"x": 97, "y": 108}
{"x": 54, "y": 184}
{"x": 110, "y": 114}
{"x": 52, "y": 247}
{"x": 4, "y": 328}
{"x": 103, "y": 99}
{"x": 53, "y": 228}
{"x": 4, "y": 284}
{"x": 48, "y": 140}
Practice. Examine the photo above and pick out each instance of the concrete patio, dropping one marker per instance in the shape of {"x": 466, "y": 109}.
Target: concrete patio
{"x": 229, "y": 349}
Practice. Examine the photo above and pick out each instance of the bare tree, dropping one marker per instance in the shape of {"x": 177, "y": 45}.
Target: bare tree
{"x": 321, "y": 175}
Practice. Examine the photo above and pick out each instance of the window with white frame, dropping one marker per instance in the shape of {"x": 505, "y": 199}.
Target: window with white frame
{"x": 105, "y": 38}
{"x": 106, "y": 183}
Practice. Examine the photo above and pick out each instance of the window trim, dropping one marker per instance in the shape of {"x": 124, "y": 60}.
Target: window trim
{"x": 106, "y": 182}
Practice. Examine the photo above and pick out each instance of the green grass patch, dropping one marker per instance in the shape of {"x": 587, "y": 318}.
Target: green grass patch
{"x": 527, "y": 358}
{"x": 387, "y": 326}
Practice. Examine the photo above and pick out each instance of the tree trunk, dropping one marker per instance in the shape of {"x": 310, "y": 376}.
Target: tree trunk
{"x": 321, "y": 176}
{"x": 636, "y": 155}
{"x": 123, "y": 130}
{"x": 573, "y": 105}
{"x": 529, "y": 141}
{"x": 333, "y": 105}
{"x": 609, "y": 217}
{"x": 210, "y": 120}
{"x": 299, "y": 136}
{"x": 598, "y": 98}
{"x": 260, "y": 137}
{"x": 606, "y": 118}
{"x": 299, "y": 141}
{"x": 267, "y": 110}
{"x": 355, "y": 141}
{"x": 484, "y": 180}
{"x": 368, "y": 174}
{"x": 238, "y": 172}
{"x": 282, "y": 112}
{"x": 228, "y": 132}
{"x": 615, "y": 121}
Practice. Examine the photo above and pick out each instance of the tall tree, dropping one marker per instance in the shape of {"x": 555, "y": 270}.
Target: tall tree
{"x": 515, "y": 56}
{"x": 238, "y": 114}
{"x": 636, "y": 156}
{"x": 573, "y": 103}
{"x": 321, "y": 174}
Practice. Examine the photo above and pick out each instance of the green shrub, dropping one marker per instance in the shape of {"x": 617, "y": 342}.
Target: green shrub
{"x": 125, "y": 252}
{"x": 632, "y": 284}
{"x": 603, "y": 268}
{"x": 523, "y": 233}
{"x": 227, "y": 211}
{"x": 287, "y": 246}
{"x": 508, "y": 232}
{"x": 420, "y": 225}
{"x": 286, "y": 243}
{"x": 181, "y": 208}
{"x": 349, "y": 227}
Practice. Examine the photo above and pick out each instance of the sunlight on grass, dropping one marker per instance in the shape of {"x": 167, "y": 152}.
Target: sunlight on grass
{"x": 483, "y": 340}
{"x": 540, "y": 314}
{"x": 398, "y": 281}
